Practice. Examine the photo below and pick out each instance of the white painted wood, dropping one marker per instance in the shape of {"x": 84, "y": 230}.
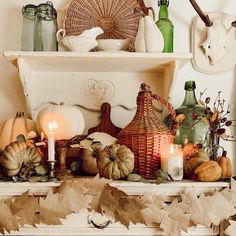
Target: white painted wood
{"x": 199, "y": 34}
{"x": 98, "y": 61}
{"x": 64, "y": 76}
{"x": 131, "y": 188}
{"x": 77, "y": 224}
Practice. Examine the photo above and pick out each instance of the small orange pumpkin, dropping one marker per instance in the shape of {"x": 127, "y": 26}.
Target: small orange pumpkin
{"x": 208, "y": 171}
{"x": 226, "y": 166}
{"x": 11, "y": 128}
{"x": 192, "y": 162}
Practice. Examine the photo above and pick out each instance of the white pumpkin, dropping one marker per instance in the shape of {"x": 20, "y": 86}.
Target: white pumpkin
{"x": 69, "y": 120}
{"x": 104, "y": 138}
{"x": 11, "y": 128}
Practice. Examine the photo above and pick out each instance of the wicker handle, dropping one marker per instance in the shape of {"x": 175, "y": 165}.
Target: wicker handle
{"x": 167, "y": 104}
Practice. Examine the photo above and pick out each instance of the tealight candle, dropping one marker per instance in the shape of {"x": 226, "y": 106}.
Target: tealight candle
{"x": 51, "y": 140}
{"x": 172, "y": 162}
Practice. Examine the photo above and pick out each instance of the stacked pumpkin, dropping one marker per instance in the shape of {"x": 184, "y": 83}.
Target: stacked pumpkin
{"x": 198, "y": 166}
{"x": 101, "y": 154}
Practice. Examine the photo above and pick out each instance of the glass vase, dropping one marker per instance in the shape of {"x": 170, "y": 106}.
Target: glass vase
{"x": 213, "y": 147}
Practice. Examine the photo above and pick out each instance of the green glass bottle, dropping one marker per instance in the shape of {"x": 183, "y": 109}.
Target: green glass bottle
{"x": 191, "y": 130}
{"x": 165, "y": 25}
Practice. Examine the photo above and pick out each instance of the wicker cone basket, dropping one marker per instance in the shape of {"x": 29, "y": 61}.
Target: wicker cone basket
{"x": 146, "y": 135}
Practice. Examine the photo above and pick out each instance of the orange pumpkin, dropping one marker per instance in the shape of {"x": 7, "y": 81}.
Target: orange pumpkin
{"x": 226, "y": 166}
{"x": 208, "y": 171}
{"x": 192, "y": 162}
{"x": 13, "y": 127}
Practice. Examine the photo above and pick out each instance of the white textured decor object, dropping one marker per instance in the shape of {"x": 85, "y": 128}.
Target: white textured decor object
{"x": 80, "y": 43}
{"x": 214, "y": 47}
{"x": 98, "y": 91}
{"x": 149, "y": 38}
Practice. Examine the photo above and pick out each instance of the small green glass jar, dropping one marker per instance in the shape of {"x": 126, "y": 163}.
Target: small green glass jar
{"x": 28, "y": 29}
{"x": 45, "y": 28}
{"x": 166, "y": 26}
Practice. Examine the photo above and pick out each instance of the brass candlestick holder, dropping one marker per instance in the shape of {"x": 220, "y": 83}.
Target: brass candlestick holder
{"x": 62, "y": 172}
{"x": 52, "y": 176}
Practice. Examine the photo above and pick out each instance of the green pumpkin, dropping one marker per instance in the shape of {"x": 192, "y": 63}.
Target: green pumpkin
{"x": 115, "y": 162}
{"x": 16, "y": 154}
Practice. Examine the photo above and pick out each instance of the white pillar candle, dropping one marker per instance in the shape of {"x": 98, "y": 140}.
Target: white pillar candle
{"x": 172, "y": 161}
{"x": 51, "y": 141}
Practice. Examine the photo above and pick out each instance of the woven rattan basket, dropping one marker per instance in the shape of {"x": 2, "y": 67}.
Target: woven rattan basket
{"x": 118, "y": 18}
{"x": 146, "y": 135}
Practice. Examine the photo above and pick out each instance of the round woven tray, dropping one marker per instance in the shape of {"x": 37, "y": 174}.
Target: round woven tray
{"x": 118, "y": 18}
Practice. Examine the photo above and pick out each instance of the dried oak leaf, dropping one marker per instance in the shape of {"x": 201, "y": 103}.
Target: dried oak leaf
{"x": 177, "y": 212}
{"x": 218, "y": 207}
{"x": 231, "y": 230}
{"x": 95, "y": 187}
{"x": 196, "y": 209}
{"x": 75, "y": 196}
{"x": 109, "y": 200}
{"x": 26, "y": 208}
{"x": 152, "y": 216}
{"x": 7, "y": 219}
{"x": 52, "y": 208}
{"x": 129, "y": 210}
{"x": 169, "y": 225}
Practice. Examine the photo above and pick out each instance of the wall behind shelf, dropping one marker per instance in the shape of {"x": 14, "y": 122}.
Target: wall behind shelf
{"x": 181, "y": 13}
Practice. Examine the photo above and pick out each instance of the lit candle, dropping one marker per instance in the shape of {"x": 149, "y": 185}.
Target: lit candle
{"x": 51, "y": 141}
{"x": 172, "y": 162}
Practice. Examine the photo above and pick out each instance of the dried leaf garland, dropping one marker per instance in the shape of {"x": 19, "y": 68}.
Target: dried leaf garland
{"x": 53, "y": 208}
{"x": 26, "y": 215}
{"x": 75, "y": 196}
{"x": 8, "y": 221}
{"x": 97, "y": 194}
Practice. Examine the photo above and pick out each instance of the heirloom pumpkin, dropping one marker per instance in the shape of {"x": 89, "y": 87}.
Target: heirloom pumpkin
{"x": 208, "y": 171}
{"x": 226, "y": 166}
{"x": 89, "y": 155}
{"x": 69, "y": 120}
{"x": 192, "y": 162}
{"x": 16, "y": 154}
{"x": 115, "y": 162}
{"x": 13, "y": 127}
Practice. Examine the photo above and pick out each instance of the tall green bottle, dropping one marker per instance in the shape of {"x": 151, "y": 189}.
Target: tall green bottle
{"x": 191, "y": 130}
{"x": 165, "y": 25}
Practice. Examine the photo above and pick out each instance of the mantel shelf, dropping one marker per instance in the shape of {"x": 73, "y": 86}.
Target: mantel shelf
{"x": 98, "y": 61}
{"x": 131, "y": 188}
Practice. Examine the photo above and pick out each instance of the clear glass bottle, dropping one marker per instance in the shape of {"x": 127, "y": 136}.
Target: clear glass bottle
{"x": 191, "y": 130}
{"x": 45, "y": 27}
{"x": 166, "y": 26}
{"x": 28, "y": 29}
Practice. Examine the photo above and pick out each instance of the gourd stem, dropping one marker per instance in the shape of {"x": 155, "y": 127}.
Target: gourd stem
{"x": 112, "y": 157}
{"x": 20, "y": 114}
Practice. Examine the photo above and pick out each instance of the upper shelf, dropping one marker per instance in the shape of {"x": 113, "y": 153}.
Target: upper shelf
{"x": 98, "y": 61}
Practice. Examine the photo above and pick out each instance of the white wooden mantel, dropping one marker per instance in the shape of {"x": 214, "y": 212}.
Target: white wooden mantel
{"x": 77, "y": 224}
{"x": 60, "y": 77}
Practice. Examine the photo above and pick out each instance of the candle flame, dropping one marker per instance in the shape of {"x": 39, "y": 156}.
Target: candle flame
{"x": 172, "y": 148}
{"x": 52, "y": 125}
